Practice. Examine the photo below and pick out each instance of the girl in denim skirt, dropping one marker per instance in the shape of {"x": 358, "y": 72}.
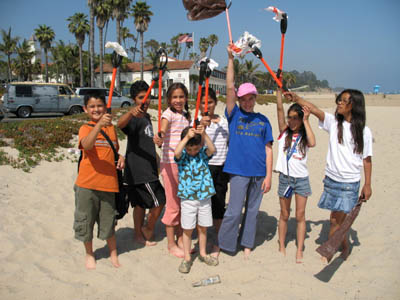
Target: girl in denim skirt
{"x": 350, "y": 150}
{"x": 296, "y": 136}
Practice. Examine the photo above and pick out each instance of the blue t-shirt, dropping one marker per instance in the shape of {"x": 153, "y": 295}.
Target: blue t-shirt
{"x": 195, "y": 181}
{"x": 248, "y": 135}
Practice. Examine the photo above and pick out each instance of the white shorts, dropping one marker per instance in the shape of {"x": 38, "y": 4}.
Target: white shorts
{"x": 196, "y": 212}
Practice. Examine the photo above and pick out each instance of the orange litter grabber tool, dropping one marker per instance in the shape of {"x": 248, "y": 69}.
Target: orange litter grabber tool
{"x": 202, "y": 76}
{"x": 282, "y": 17}
{"x": 207, "y": 65}
{"x": 157, "y": 74}
{"x": 283, "y": 32}
{"x": 117, "y": 55}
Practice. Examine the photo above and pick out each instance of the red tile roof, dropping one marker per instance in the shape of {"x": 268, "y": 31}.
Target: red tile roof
{"x": 135, "y": 67}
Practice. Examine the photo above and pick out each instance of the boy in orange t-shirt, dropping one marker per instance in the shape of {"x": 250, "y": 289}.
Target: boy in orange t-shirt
{"x": 97, "y": 181}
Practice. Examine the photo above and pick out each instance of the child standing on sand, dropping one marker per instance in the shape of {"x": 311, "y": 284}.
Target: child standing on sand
{"x": 97, "y": 181}
{"x": 195, "y": 190}
{"x": 217, "y": 129}
{"x": 174, "y": 119}
{"x": 141, "y": 172}
{"x": 350, "y": 150}
{"x": 295, "y": 137}
{"x": 249, "y": 163}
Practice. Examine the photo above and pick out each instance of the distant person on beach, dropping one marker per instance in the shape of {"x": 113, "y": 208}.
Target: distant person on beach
{"x": 195, "y": 191}
{"x": 217, "y": 129}
{"x": 249, "y": 163}
{"x": 97, "y": 180}
{"x": 349, "y": 151}
{"x": 141, "y": 171}
{"x": 174, "y": 119}
{"x": 295, "y": 138}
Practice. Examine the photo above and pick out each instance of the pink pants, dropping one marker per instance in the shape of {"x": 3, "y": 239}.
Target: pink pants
{"x": 172, "y": 215}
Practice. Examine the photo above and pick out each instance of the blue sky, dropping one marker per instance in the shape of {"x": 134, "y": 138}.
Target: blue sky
{"x": 353, "y": 43}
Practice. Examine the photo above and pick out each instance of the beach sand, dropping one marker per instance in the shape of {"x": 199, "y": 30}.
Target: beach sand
{"x": 40, "y": 259}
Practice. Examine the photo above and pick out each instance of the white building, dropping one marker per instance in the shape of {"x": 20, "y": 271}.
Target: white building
{"x": 178, "y": 71}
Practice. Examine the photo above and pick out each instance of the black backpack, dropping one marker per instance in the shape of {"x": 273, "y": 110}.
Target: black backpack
{"x": 121, "y": 198}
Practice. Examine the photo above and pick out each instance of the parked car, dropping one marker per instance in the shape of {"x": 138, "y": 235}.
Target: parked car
{"x": 25, "y": 98}
{"x": 117, "y": 100}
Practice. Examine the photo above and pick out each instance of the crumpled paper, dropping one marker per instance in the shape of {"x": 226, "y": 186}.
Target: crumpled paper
{"x": 117, "y": 48}
{"x": 278, "y": 13}
{"x": 244, "y": 43}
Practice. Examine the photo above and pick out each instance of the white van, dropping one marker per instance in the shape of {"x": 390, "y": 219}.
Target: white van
{"x": 25, "y": 98}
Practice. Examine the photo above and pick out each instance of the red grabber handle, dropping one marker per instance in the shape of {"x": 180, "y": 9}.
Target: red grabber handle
{"x": 160, "y": 73}
{"x": 283, "y": 31}
{"x": 196, "y": 113}
{"x": 116, "y": 62}
{"x": 258, "y": 54}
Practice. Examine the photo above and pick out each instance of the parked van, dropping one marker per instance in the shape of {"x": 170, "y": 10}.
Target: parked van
{"x": 117, "y": 100}
{"x": 25, "y": 98}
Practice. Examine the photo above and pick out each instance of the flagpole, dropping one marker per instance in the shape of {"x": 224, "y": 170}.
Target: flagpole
{"x": 193, "y": 43}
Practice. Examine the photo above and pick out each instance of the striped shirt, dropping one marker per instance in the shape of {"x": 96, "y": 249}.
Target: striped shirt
{"x": 219, "y": 135}
{"x": 176, "y": 123}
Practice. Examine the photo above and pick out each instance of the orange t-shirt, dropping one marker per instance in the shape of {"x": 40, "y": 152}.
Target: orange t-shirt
{"x": 97, "y": 169}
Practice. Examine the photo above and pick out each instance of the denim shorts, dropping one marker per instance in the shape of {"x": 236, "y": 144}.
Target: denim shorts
{"x": 339, "y": 196}
{"x": 300, "y": 185}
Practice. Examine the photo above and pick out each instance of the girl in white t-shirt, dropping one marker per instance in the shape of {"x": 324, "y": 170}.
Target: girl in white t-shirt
{"x": 296, "y": 136}
{"x": 350, "y": 150}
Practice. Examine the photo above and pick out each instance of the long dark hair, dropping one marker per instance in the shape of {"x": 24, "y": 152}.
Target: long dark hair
{"x": 288, "y": 140}
{"x": 357, "y": 119}
{"x": 171, "y": 89}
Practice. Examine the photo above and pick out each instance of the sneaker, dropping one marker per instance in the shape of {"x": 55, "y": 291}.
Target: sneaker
{"x": 185, "y": 266}
{"x": 209, "y": 260}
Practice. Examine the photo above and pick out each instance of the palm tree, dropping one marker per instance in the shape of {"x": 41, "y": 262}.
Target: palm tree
{"x": 8, "y": 47}
{"x": 23, "y": 65}
{"x": 194, "y": 56}
{"x": 249, "y": 70}
{"x": 120, "y": 9}
{"x": 152, "y": 47}
{"x": 141, "y": 14}
{"x": 175, "y": 48}
{"x": 45, "y": 35}
{"x": 79, "y": 26}
{"x": 289, "y": 79}
{"x": 203, "y": 46}
{"x": 212, "y": 40}
{"x": 92, "y": 11}
{"x": 125, "y": 34}
{"x": 103, "y": 14}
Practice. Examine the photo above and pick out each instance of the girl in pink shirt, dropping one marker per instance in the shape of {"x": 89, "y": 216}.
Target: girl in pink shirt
{"x": 173, "y": 121}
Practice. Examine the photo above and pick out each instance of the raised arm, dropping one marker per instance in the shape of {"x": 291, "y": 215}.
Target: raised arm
{"x": 307, "y": 127}
{"x": 281, "y": 114}
{"x": 313, "y": 108}
{"x": 210, "y": 145}
{"x": 230, "y": 83}
{"x": 88, "y": 141}
{"x": 126, "y": 117}
{"x": 179, "y": 148}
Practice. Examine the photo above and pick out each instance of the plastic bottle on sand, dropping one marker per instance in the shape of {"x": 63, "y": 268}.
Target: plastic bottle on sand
{"x": 211, "y": 280}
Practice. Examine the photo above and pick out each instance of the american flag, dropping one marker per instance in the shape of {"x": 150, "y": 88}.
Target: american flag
{"x": 185, "y": 38}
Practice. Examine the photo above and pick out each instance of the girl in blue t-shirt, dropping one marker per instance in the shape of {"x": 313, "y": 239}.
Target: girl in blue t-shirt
{"x": 249, "y": 163}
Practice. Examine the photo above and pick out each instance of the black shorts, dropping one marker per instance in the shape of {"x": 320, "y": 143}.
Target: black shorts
{"x": 220, "y": 180}
{"x": 147, "y": 195}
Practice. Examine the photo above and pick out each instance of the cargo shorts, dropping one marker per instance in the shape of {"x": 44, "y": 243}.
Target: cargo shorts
{"x": 92, "y": 207}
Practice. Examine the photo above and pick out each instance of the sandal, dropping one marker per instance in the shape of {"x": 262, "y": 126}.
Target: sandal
{"x": 185, "y": 266}
{"x": 209, "y": 260}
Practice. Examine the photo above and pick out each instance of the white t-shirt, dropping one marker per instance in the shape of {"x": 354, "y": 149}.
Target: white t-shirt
{"x": 297, "y": 163}
{"x": 342, "y": 164}
{"x": 219, "y": 135}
